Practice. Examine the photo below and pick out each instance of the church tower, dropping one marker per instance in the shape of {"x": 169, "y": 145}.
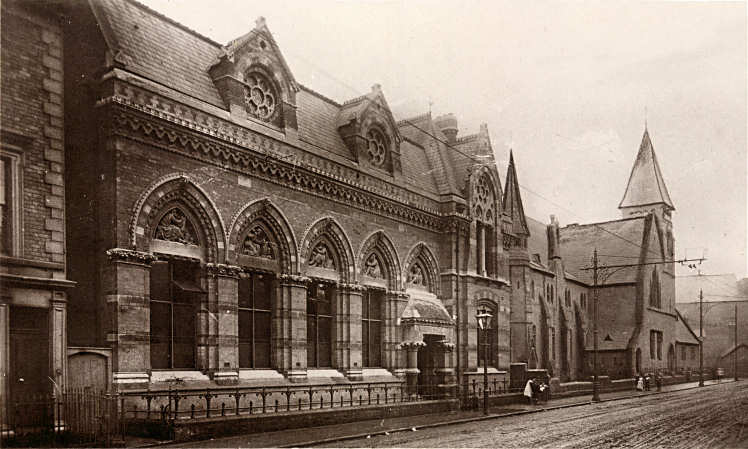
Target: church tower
{"x": 646, "y": 192}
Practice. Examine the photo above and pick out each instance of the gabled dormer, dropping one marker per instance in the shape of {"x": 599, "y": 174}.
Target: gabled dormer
{"x": 368, "y": 128}
{"x": 254, "y": 80}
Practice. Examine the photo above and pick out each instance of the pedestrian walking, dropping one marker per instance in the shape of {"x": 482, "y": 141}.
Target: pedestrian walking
{"x": 640, "y": 383}
{"x": 529, "y": 390}
{"x": 647, "y": 381}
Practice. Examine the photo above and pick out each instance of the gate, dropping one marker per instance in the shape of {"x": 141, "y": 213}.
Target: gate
{"x": 73, "y": 417}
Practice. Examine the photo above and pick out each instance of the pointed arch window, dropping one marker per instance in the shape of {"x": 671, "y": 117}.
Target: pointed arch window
{"x": 483, "y": 208}
{"x": 655, "y": 292}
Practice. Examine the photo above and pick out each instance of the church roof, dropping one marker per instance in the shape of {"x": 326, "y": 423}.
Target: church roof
{"x": 537, "y": 243}
{"x": 616, "y": 241}
{"x": 513, "y": 200}
{"x": 646, "y": 184}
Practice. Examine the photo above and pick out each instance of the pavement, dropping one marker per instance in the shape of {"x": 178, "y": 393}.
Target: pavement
{"x": 362, "y": 429}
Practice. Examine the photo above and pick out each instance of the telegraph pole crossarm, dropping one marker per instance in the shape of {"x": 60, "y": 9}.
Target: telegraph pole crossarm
{"x": 612, "y": 269}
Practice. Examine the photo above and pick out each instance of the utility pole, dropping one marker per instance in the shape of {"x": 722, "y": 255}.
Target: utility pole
{"x": 701, "y": 338}
{"x": 735, "y": 351}
{"x": 596, "y": 268}
{"x": 595, "y": 389}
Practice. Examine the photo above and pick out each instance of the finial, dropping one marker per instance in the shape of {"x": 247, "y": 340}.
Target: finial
{"x": 260, "y": 22}
{"x": 376, "y": 88}
{"x": 645, "y": 118}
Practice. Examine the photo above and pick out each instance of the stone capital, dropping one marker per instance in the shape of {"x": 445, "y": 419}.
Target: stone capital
{"x": 294, "y": 280}
{"x": 130, "y": 256}
{"x": 219, "y": 269}
{"x": 351, "y": 288}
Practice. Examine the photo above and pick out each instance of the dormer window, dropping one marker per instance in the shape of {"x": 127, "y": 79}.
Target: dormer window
{"x": 260, "y": 96}
{"x": 377, "y": 147}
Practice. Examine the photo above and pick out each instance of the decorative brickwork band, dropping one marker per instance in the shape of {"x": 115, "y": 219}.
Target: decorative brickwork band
{"x": 130, "y": 256}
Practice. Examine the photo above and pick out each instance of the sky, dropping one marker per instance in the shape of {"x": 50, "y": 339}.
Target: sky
{"x": 568, "y": 86}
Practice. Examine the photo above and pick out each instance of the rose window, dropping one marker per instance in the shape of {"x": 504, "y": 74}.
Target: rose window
{"x": 377, "y": 147}
{"x": 260, "y": 96}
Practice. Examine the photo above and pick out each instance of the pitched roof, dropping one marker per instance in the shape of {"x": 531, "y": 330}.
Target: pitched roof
{"x": 513, "y": 200}
{"x": 422, "y": 131}
{"x": 537, "y": 243}
{"x": 646, "y": 185}
{"x": 616, "y": 241}
{"x": 683, "y": 332}
{"x": 614, "y": 337}
{"x": 160, "y": 49}
{"x": 716, "y": 288}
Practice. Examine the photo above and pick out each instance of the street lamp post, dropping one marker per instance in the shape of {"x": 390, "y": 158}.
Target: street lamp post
{"x": 701, "y": 338}
{"x": 595, "y": 386}
{"x": 484, "y": 324}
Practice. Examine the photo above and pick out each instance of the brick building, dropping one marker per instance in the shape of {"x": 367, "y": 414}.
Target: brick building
{"x": 33, "y": 282}
{"x": 228, "y": 225}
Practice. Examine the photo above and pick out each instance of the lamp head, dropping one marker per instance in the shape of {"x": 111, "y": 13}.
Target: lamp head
{"x": 484, "y": 318}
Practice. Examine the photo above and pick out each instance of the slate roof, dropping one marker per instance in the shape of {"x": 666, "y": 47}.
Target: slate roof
{"x": 512, "y": 202}
{"x": 716, "y": 288}
{"x": 166, "y": 52}
{"x": 578, "y": 242}
{"x": 646, "y": 185}
{"x": 683, "y": 332}
{"x": 160, "y": 49}
{"x": 537, "y": 243}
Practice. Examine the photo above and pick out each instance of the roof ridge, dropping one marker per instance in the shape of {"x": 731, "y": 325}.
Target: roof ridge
{"x": 640, "y": 217}
{"x": 314, "y": 92}
{"x": 355, "y": 99}
{"x": 468, "y": 137}
{"x": 415, "y": 118}
{"x": 174, "y": 22}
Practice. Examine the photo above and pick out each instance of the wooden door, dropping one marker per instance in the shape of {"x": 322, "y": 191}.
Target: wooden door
{"x": 29, "y": 366}
{"x": 87, "y": 370}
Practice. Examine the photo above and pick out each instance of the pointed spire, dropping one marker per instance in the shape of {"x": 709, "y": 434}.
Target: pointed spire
{"x": 646, "y": 185}
{"x": 512, "y": 203}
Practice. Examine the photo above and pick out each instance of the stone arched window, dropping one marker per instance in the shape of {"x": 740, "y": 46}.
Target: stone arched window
{"x": 483, "y": 207}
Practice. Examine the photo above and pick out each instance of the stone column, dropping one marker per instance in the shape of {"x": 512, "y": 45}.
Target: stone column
{"x": 347, "y": 330}
{"x": 395, "y": 303}
{"x": 225, "y": 320}
{"x": 289, "y": 327}
{"x": 58, "y": 339}
{"x": 126, "y": 287}
{"x": 412, "y": 371}
{"x": 481, "y": 228}
{"x": 445, "y": 372}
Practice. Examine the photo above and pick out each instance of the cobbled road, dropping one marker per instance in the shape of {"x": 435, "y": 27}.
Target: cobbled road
{"x": 713, "y": 417}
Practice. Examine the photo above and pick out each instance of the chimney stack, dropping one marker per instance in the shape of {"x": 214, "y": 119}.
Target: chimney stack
{"x": 447, "y": 124}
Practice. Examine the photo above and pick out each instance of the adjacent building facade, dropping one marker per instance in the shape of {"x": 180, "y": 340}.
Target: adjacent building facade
{"x": 33, "y": 281}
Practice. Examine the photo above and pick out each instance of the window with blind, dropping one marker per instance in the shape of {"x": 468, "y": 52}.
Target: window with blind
{"x": 255, "y": 319}
{"x": 175, "y": 295}
{"x": 9, "y": 202}
{"x": 319, "y": 310}
{"x": 371, "y": 327}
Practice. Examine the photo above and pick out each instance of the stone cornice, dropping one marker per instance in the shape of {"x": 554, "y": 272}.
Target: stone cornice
{"x": 130, "y": 256}
{"x": 290, "y": 175}
{"x": 352, "y": 287}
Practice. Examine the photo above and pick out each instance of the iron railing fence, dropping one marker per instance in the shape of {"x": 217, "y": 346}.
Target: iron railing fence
{"x": 198, "y": 403}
